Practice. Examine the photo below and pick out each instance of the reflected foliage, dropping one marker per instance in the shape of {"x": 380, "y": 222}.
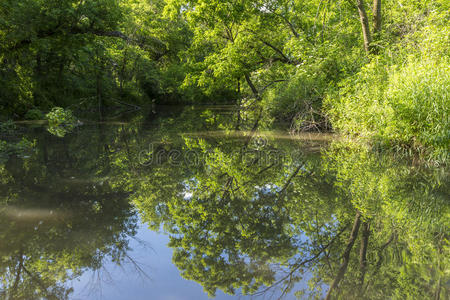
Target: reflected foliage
{"x": 59, "y": 217}
{"x": 405, "y": 211}
{"x": 247, "y": 211}
{"x": 244, "y": 227}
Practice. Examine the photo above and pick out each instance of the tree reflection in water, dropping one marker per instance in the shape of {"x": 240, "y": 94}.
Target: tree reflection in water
{"x": 325, "y": 219}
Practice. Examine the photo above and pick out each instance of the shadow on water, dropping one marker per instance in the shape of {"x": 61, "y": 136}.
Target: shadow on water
{"x": 250, "y": 212}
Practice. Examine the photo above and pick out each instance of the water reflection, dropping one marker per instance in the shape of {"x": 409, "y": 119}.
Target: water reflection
{"x": 54, "y": 227}
{"x": 321, "y": 218}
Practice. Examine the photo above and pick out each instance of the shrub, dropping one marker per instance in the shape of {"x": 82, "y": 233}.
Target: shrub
{"x": 60, "y": 121}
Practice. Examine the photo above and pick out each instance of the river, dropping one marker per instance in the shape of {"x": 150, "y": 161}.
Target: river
{"x": 184, "y": 204}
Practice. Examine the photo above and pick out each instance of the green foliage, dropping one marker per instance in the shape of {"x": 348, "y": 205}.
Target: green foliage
{"x": 34, "y": 114}
{"x": 97, "y": 52}
{"x": 60, "y": 231}
{"x": 8, "y": 127}
{"x": 8, "y": 149}
{"x": 60, "y": 121}
{"x": 407, "y": 203}
{"x": 406, "y": 105}
{"x": 284, "y": 57}
{"x": 230, "y": 220}
{"x": 237, "y": 222}
{"x": 400, "y": 100}
{"x": 10, "y": 144}
{"x": 238, "y": 226}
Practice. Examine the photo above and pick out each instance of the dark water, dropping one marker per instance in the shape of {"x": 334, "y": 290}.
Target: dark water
{"x": 180, "y": 205}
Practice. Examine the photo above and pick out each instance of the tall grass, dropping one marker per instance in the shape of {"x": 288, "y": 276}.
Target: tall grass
{"x": 401, "y": 105}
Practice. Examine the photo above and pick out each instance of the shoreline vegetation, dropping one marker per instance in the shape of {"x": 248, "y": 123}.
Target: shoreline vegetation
{"x": 377, "y": 71}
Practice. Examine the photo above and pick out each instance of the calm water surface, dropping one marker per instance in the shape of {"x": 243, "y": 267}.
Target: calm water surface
{"x": 181, "y": 205}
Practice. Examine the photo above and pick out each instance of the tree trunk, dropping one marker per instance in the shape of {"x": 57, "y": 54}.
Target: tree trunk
{"x": 363, "y": 253}
{"x": 252, "y": 86}
{"x": 346, "y": 255}
{"x": 364, "y": 24}
{"x": 99, "y": 97}
{"x": 123, "y": 70}
{"x": 238, "y": 122}
{"x": 18, "y": 274}
{"x": 437, "y": 293}
{"x": 376, "y": 16}
{"x": 99, "y": 88}
{"x": 38, "y": 65}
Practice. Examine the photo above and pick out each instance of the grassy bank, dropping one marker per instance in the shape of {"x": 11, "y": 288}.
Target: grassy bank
{"x": 400, "y": 100}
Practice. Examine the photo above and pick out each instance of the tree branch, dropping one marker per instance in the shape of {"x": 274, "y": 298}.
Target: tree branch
{"x": 300, "y": 263}
{"x": 252, "y": 86}
{"x": 284, "y": 58}
{"x": 291, "y": 26}
{"x": 346, "y": 255}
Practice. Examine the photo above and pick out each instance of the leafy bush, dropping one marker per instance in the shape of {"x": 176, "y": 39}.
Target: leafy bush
{"x": 60, "y": 121}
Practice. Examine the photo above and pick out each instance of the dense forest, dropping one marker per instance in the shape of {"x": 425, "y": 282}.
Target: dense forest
{"x": 374, "y": 70}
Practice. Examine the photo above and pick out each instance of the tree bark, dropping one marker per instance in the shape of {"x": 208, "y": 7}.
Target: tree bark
{"x": 364, "y": 24}
{"x": 99, "y": 89}
{"x": 99, "y": 97}
{"x": 437, "y": 293}
{"x": 376, "y": 16}
{"x": 238, "y": 122}
{"x": 252, "y": 86}
{"x": 346, "y": 255}
{"x": 363, "y": 253}
{"x": 123, "y": 70}
{"x": 18, "y": 274}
